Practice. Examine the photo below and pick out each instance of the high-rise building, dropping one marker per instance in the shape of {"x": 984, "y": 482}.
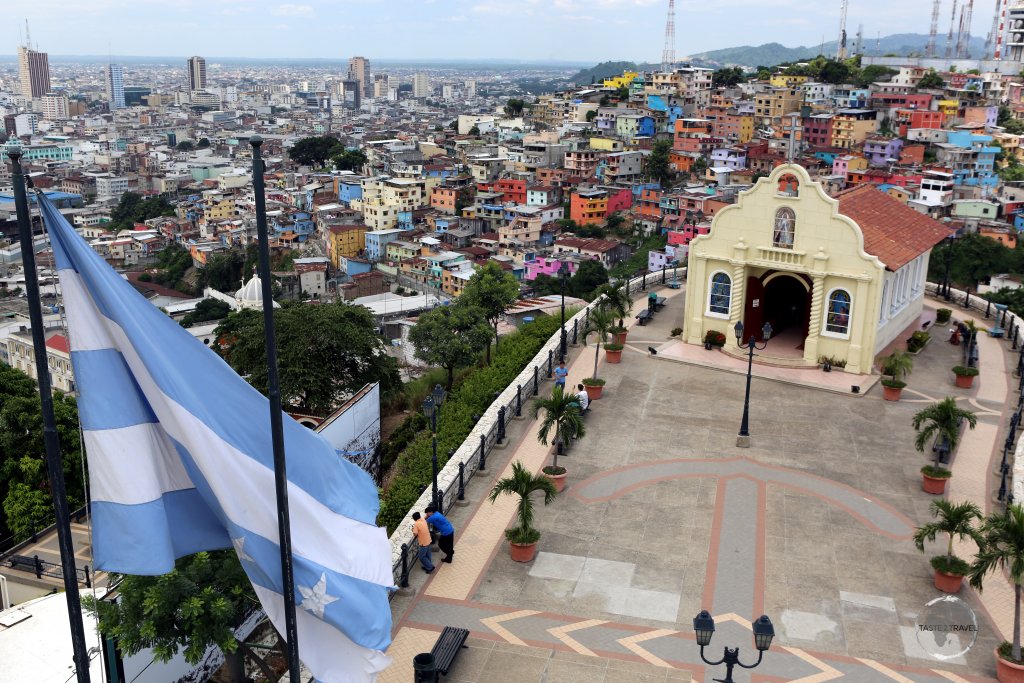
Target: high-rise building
{"x": 55, "y": 106}
{"x": 196, "y": 73}
{"x": 115, "y": 86}
{"x": 33, "y": 72}
{"x": 470, "y": 89}
{"x": 380, "y": 85}
{"x": 359, "y": 70}
{"x": 351, "y": 93}
{"x": 421, "y": 86}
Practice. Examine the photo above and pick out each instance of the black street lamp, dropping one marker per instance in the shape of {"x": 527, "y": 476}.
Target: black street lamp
{"x": 743, "y": 440}
{"x": 563, "y": 274}
{"x": 431, "y": 409}
{"x": 704, "y": 626}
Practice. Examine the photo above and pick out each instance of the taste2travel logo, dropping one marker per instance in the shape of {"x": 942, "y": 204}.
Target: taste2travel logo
{"x": 947, "y": 628}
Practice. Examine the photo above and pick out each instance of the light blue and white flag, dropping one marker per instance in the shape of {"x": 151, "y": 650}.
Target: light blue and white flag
{"x": 180, "y": 460}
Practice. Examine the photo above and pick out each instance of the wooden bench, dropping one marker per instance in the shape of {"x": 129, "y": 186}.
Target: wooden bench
{"x": 22, "y": 563}
{"x": 447, "y": 648}
{"x": 659, "y": 303}
{"x": 645, "y": 316}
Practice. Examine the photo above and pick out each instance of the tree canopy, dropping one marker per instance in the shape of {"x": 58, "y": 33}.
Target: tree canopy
{"x": 658, "y": 163}
{"x": 24, "y": 486}
{"x": 974, "y": 258}
{"x": 587, "y": 279}
{"x": 451, "y": 337}
{"x": 514, "y": 108}
{"x": 728, "y": 77}
{"x": 492, "y": 290}
{"x": 205, "y": 311}
{"x": 325, "y": 353}
{"x": 315, "y": 151}
{"x": 132, "y": 209}
{"x": 349, "y": 160}
{"x": 931, "y": 80}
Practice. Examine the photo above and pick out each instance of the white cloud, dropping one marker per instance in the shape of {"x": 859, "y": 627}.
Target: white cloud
{"x": 290, "y": 10}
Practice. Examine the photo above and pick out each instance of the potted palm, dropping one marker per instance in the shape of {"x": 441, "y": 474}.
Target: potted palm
{"x": 561, "y": 413}
{"x": 965, "y": 376}
{"x": 941, "y": 421}
{"x": 617, "y": 302}
{"x": 956, "y": 520}
{"x": 599, "y": 322}
{"x": 1002, "y": 549}
{"x": 896, "y": 366}
{"x": 523, "y": 538}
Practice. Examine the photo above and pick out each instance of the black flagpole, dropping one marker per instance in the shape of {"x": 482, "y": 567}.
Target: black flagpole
{"x": 276, "y": 428}
{"x": 51, "y": 439}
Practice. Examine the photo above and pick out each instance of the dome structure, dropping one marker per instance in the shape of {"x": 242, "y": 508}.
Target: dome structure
{"x": 251, "y": 293}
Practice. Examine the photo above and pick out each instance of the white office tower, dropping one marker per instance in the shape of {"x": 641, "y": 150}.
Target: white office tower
{"x": 115, "y": 86}
{"x": 421, "y": 86}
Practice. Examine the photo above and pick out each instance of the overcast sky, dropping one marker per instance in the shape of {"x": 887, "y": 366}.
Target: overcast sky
{"x": 564, "y": 30}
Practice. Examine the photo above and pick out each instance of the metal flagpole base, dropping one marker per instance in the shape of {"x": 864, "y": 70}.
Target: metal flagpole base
{"x": 743, "y": 442}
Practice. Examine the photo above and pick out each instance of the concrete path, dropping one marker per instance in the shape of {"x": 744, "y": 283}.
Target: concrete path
{"x": 664, "y": 516}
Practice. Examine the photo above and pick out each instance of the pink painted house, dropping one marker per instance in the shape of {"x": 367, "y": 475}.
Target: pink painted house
{"x": 544, "y": 265}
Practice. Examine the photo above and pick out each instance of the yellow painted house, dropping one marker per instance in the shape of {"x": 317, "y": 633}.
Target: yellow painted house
{"x": 782, "y": 80}
{"x": 834, "y": 276}
{"x": 346, "y": 241}
{"x": 623, "y": 81}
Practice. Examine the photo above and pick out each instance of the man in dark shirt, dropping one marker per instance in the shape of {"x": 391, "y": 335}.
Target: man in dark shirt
{"x": 446, "y": 537}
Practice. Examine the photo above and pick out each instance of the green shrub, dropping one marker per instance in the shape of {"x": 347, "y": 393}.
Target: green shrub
{"x": 455, "y": 422}
{"x": 917, "y": 341}
{"x": 676, "y": 331}
{"x": 714, "y": 337}
{"x": 401, "y": 438}
{"x": 943, "y": 315}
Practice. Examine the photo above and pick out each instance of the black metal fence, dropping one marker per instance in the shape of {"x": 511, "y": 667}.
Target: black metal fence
{"x": 41, "y": 568}
{"x": 541, "y": 368}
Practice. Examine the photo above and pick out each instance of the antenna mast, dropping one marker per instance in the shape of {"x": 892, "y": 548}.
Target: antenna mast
{"x": 963, "y": 40}
{"x": 668, "y": 55}
{"x": 934, "y": 31}
{"x": 841, "y": 54}
{"x": 949, "y": 37}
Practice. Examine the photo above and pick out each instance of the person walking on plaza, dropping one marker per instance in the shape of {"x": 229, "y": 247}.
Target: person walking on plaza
{"x": 560, "y": 374}
{"x": 445, "y": 530}
{"x": 422, "y": 532}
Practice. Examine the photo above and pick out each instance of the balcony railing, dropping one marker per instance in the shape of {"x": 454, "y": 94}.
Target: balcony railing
{"x": 785, "y": 257}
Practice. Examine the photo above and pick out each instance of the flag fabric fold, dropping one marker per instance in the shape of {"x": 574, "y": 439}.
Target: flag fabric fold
{"x": 180, "y": 460}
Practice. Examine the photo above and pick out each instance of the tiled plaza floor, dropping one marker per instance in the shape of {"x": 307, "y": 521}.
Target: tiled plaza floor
{"x": 664, "y": 516}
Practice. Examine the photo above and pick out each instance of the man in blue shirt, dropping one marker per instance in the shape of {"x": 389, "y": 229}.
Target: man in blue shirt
{"x": 560, "y": 374}
{"x": 446, "y": 538}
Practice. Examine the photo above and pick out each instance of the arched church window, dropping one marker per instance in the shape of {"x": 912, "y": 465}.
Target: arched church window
{"x": 838, "y": 319}
{"x": 784, "y": 229}
{"x": 721, "y": 294}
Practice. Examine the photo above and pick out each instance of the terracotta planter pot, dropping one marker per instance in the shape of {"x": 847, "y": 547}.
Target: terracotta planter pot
{"x": 1008, "y": 672}
{"x": 948, "y": 583}
{"x": 964, "y": 381}
{"x": 613, "y": 356}
{"x": 522, "y": 552}
{"x": 558, "y": 480}
{"x": 933, "y": 485}
{"x": 620, "y": 338}
{"x": 891, "y": 393}
{"x": 594, "y": 392}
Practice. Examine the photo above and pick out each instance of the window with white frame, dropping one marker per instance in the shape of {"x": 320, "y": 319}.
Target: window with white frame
{"x": 720, "y": 295}
{"x": 838, "y": 319}
{"x": 785, "y": 228}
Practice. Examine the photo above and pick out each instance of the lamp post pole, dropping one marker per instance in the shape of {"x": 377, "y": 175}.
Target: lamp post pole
{"x": 563, "y": 271}
{"x": 704, "y": 627}
{"x": 949, "y": 265}
{"x": 743, "y": 439}
{"x": 431, "y": 407}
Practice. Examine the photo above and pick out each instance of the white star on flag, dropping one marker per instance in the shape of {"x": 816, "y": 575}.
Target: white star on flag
{"x": 315, "y": 599}
{"x": 239, "y": 544}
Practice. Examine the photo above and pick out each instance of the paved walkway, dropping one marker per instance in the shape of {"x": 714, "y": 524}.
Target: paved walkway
{"x": 664, "y": 516}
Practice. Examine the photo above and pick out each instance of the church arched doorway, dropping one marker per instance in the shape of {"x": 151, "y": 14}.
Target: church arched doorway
{"x": 787, "y": 306}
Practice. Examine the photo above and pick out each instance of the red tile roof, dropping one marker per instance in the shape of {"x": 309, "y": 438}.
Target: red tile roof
{"x": 894, "y": 232}
{"x": 58, "y": 342}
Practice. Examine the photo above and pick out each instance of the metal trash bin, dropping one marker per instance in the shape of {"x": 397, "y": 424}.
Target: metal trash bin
{"x": 424, "y": 668}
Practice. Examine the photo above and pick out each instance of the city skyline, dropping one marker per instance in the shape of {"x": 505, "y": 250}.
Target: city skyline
{"x": 536, "y": 30}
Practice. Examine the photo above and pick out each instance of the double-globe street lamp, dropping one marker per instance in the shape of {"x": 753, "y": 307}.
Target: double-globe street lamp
{"x": 704, "y": 626}
{"x": 431, "y": 408}
{"x": 743, "y": 440}
{"x": 563, "y": 275}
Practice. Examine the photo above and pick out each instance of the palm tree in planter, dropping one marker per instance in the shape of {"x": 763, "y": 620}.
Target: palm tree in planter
{"x": 561, "y": 413}
{"x": 1002, "y": 548}
{"x": 940, "y": 421}
{"x": 523, "y": 537}
{"x": 896, "y": 365}
{"x": 617, "y": 302}
{"x": 956, "y": 520}
{"x": 599, "y": 322}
